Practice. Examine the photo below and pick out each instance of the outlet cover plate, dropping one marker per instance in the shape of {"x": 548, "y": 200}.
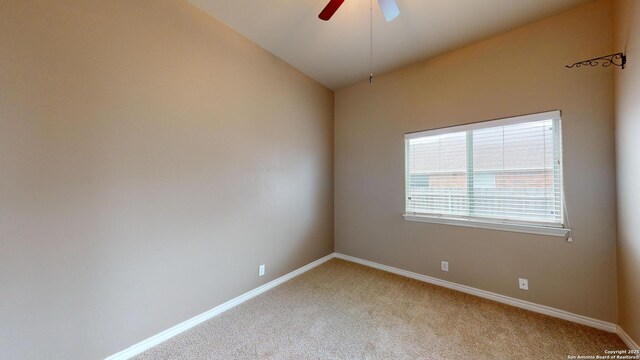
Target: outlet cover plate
{"x": 523, "y": 284}
{"x": 444, "y": 266}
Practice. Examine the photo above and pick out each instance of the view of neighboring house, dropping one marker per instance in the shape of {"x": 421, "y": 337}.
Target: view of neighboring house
{"x": 518, "y": 173}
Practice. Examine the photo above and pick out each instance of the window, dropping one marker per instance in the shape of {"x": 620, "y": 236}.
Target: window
{"x": 500, "y": 174}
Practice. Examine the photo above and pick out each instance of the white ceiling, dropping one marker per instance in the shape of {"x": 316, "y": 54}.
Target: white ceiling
{"x": 336, "y": 53}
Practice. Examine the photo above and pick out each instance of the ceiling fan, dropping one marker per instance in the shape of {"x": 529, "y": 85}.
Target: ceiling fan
{"x": 389, "y": 9}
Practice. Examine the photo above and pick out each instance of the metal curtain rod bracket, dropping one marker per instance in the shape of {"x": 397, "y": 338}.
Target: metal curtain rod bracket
{"x": 617, "y": 59}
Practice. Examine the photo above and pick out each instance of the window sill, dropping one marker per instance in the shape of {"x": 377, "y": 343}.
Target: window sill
{"x": 529, "y": 229}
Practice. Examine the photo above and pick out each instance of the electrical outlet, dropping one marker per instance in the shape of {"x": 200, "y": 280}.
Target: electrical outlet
{"x": 261, "y": 270}
{"x": 444, "y": 266}
{"x": 523, "y": 283}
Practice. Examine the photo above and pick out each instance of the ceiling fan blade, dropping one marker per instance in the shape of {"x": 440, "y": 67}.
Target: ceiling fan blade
{"x": 389, "y": 9}
{"x": 330, "y": 9}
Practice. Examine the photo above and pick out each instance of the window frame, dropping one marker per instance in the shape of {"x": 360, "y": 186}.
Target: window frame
{"x": 552, "y": 229}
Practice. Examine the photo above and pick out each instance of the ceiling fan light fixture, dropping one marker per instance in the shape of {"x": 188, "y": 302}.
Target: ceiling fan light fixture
{"x": 389, "y": 9}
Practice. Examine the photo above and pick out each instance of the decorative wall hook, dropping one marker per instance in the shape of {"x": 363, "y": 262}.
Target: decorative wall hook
{"x": 618, "y": 59}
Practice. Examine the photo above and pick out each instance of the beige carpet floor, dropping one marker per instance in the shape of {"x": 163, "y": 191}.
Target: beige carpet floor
{"x": 342, "y": 310}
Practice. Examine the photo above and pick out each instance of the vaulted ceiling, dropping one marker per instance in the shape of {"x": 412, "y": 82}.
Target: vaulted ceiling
{"x": 337, "y": 53}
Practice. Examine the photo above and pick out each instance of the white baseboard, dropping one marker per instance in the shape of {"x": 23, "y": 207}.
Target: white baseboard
{"x": 627, "y": 339}
{"x": 186, "y": 325}
{"x": 542, "y": 309}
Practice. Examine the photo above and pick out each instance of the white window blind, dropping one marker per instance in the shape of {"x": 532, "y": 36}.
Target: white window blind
{"x": 507, "y": 170}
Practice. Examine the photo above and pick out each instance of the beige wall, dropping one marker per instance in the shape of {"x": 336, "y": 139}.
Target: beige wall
{"x": 151, "y": 160}
{"x": 627, "y": 39}
{"x": 516, "y": 73}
